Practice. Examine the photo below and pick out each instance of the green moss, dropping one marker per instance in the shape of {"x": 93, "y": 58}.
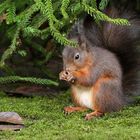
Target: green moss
{"x": 44, "y": 120}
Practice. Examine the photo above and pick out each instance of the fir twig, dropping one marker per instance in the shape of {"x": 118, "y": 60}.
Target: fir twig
{"x": 39, "y": 81}
{"x": 11, "y": 49}
{"x": 64, "y": 6}
{"x": 100, "y": 16}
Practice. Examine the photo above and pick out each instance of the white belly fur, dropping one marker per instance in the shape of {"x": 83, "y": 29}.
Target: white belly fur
{"x": 84, "y": 96}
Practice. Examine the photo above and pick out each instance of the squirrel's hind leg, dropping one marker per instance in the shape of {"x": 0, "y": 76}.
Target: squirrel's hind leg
{"x": 93, "y": 114}
{"x": 108, "y": 97}
{"x": 70, "y": 109}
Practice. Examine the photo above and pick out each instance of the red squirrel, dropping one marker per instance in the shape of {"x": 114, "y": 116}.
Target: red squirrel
{"x": 103, "y": 68}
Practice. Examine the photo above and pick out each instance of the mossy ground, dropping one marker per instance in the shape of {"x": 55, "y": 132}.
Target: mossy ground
{"x": 44, "y": 120}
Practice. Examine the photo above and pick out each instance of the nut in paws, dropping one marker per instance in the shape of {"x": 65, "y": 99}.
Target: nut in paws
{"x": 67, "y": 76}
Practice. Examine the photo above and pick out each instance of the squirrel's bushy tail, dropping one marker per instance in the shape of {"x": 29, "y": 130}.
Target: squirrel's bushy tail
{"x": 124, "y": 41}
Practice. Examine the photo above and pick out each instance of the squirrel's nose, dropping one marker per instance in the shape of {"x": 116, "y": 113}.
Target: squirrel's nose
{"x": 68, "y": 69}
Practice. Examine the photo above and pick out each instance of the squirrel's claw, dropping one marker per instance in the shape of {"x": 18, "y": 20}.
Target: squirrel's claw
{"x": 68, "y": 110}
{"x": 66, "y": 113}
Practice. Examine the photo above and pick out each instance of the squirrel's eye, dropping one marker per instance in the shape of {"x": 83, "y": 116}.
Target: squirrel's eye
{"x": 77, "y": 56}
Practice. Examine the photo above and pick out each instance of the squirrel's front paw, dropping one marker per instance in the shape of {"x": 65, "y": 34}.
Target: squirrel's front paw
{"x": 67, "y": 76}
{"x": 63, "y": 75}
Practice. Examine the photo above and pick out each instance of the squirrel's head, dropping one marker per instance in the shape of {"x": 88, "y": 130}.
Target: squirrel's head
{"x": 75, "y": 58}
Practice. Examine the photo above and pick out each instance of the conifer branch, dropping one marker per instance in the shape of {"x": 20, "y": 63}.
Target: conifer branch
{"x": 100, "y": 16}
{"x": 11, "y": 13}
{"x": 11, "y": 49}
{"x": 4, "y": 6}
{"x": 57, "y": 15}
{"x": 64, "y": 6}
{"x": 33, "y": 80}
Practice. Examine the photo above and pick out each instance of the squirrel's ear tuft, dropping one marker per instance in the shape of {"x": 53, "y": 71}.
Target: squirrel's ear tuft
{"x": 82, "y": 42}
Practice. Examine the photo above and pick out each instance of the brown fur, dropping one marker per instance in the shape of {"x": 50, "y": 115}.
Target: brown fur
{"x": 108, "y": 63}
{"x": 101, "y": 74}
{"x": 71, "y": 109}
